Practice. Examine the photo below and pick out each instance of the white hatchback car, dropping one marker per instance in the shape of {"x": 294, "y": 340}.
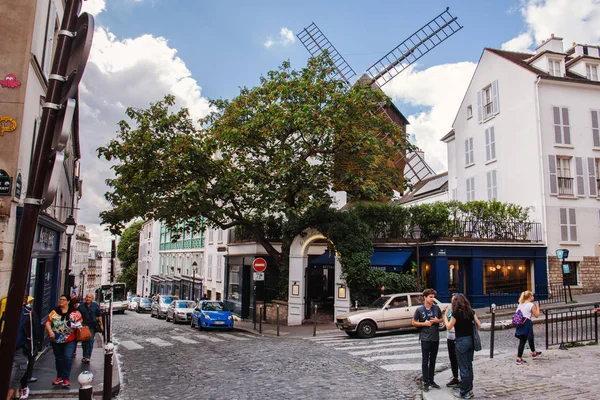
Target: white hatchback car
{"x": 388, "y": 312}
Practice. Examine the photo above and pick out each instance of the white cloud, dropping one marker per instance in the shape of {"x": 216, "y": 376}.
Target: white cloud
{"x": 122, "y": 73}
{"x": 573, "y": 21}
{"x": 286, "y": 38}
{"x": 521, "y": 43}
{"x": 93, "y": 7}
{"x": 440, "y": 90}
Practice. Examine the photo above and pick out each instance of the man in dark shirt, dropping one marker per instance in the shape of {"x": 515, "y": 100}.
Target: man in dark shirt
{"x": 427, "y": 318}
{"x": 92, "y": 318}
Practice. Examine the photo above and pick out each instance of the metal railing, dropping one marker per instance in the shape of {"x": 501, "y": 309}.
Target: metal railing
{"x": 565, "y": 186}
{"x": 544, "y": 294}
{"x": 571, "y": 324}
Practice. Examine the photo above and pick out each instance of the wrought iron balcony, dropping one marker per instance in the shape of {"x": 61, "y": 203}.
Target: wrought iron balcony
{"x": 565, "y": 186}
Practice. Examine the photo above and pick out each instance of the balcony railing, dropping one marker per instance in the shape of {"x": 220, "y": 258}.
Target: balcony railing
{"x": 565, "y": 186}
{"x": 196, "y": 243}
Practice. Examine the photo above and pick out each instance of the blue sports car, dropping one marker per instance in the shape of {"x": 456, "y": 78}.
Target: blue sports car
{"x": 212, "y": 314}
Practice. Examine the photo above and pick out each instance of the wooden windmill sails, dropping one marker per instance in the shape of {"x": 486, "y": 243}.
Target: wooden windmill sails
{"x": 384, "y": 70}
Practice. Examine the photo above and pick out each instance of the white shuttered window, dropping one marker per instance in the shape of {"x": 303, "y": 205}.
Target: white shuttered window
{"x": 492, "y": 185}
{"x": 471, "y": 189}
{"x": 490, "y": 144}
{"x": 568, "y": 225}
{"x": 562, "y": 129}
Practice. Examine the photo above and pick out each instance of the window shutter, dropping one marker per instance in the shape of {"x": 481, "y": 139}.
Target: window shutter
{"x": 552, "y": 174}
{"x": 471, "y": 158}
{"x": 494, "y": 185}
{"x": 564, "y": 228}
{"x": 566, "y": 127}
{"x": 572, "y": 225}
{"x": 495, "y": 98}
{"x": 480, "y": 106}
{"x": 592, "y": 177}
{"x": 492, "y": 143}
{"x": 489, "y": 185}
{"x": 467, "y": 152}
{"x": 51, "y": 23}
{"x": 557, "y": 125}
{"x": 595, "y": 128}
{"x": 579, "y": 176}
{"x": 487, "y": 145}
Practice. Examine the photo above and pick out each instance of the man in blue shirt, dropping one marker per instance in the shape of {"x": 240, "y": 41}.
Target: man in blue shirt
{"x": 428, "y": 317}
{"x": 92, "y": 318}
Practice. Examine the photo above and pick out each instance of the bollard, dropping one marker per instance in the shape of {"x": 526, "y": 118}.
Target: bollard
{"x": 493, "y": 307}
{"x": 260, "y": 315}
{"x": 277, "y": 319}
{"x": 108, "y": 371}
{"x": 315, "y": 320}
{"x": 86, "y": 390}
{"x": 254, "y": 315}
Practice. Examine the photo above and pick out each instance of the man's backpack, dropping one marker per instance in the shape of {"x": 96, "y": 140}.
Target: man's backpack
{"x": 518, "y": 319}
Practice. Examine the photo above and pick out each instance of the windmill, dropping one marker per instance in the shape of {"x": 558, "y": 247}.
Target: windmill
{"x": 385, "y": 69}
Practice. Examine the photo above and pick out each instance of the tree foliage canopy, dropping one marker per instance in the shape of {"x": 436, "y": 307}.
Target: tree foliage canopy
{"x": 127, "y": 253}
{"x": 273, "y": 152}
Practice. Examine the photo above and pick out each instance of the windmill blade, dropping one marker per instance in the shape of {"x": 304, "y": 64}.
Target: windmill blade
{"x": 416, "y": 168}
{"x": 317, "y": 43}
{"x": 416, "y": 46}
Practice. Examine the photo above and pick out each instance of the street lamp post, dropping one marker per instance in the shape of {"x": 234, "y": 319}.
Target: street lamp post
{"x": 416, "y": 233}
{"x": 82, "y": 276}
{"x": 69, "y": 231}
{"x": 194, "y": 268}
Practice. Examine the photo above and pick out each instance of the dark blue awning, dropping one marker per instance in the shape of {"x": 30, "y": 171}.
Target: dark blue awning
{"x": 389, "y": 260}
{"x": 324, "y": 261}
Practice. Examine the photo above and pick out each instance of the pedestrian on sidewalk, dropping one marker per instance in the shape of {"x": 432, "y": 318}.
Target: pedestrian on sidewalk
{"x": 451, "y": 342}
{"x": 463, "y": 319}
{"x": 92, "y": 318}
{"x": 61, "y": 325}
{"x": 524, "y": 332}
{"x": 427, "y": 318}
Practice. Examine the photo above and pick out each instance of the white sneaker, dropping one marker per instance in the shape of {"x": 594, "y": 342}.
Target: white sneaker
{"x": 24, "y": 393}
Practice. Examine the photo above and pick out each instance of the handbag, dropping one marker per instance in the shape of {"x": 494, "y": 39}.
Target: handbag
{"x": 83, "y": 334}
{"x": 476, "y": 338}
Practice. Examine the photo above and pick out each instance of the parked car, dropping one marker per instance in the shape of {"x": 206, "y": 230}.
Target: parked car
{"x": 387, "y": 312}
{"x": 161, "y": 305}
{"x": 133, "y": 303}
{"x": 180, "y": 311}
{"x": 144, "y": 304}
{"x": 211, "y": 314}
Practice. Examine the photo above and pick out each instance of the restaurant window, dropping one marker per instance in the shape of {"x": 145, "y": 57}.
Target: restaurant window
{"x": 426, "y": 271}
{"x": 506, "y": 276}
{"x": 453, "y": 276}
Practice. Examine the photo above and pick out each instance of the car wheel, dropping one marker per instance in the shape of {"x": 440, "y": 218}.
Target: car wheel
{"x": 352, "y": 334}
{"x": 366, "y": 329}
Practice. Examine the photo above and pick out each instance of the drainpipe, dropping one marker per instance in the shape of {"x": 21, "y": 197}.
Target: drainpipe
{"x": 541, "y": 169}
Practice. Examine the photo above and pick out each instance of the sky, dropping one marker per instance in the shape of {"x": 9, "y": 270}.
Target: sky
{"x": 199, "y": 50}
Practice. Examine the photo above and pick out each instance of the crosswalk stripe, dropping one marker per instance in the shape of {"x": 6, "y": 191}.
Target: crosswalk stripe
{"x": 388, "y": 349}
{"x": 230, "y": 336}
{"x": 402, "y": 357}
{"x": 210, "y": 339}
{"x": 183, "y": 339}
{"x": 377, "y": 345}
{"x": 130, "y": 345}
{"x": 363, "y": 344}
{"x": 253, "y": 336}
{"x": 159, "y": 342}
{"x": 321, "y": 339}
{"x": 402, "y": 367}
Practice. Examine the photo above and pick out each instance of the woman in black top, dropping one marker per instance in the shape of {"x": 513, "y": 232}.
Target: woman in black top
{"x": 462, "y": 320}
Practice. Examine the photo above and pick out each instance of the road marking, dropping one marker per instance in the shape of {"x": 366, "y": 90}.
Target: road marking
{"x": 130, "y": 345}
{"x": 210, "y": 339}
{"x": 158, "y": 342}
{"x": 402, "y": 367}
{"x": 389, "y": 349}
{"x": 230, "y": 336}
{"x": 183, "y": 339}
{"x": 274, "y": 332}
{"x": 377, "y": 345}
{"x": 401, "y": 357}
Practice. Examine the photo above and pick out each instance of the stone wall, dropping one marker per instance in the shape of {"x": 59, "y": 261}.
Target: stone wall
{"x": 271, "y": 312}
{"x": 588, "y": 274}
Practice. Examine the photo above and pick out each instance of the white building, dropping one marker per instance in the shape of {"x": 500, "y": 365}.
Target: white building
{"x": 80, "y": 257}
{"x": 148, "y": 256}
{"x": 527, "y": 132}
{"x": 106, "y": 267}
{"x": 215, "y": 248}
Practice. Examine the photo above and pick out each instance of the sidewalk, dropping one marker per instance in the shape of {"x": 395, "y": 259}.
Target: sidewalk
{"x": 45, "y": 371}
{"x": 564, "y": 374}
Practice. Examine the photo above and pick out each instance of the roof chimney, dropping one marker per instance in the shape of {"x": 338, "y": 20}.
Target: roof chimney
{"x": 554, "y": 44}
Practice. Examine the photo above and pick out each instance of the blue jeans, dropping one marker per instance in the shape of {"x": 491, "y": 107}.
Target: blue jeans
{"x": 429, "y": 351}
{"x": 88, "y": 345}
{"x": 63, "y": 358}
{"x": 464, "y": 356}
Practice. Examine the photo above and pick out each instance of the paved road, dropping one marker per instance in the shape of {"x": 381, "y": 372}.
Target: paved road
{"x": 162, "y": 361}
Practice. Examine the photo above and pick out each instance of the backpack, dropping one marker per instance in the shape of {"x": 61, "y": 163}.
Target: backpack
{"x": 518, "y": 319}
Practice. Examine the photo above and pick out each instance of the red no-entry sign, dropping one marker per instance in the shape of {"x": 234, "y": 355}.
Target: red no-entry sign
{"x": 259, "y": 264}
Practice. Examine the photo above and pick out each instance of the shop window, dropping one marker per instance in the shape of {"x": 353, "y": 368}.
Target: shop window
{"x": 453, "y": 276}
{"x": 506, "y": 276}
{"x": 570, "y": 273}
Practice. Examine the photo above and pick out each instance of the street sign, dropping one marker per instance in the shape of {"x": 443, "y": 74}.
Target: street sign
{"x": 6, "y": 184}
{"x": 259, "y": 276}
{"x": 566, "y": 269}
{"x": 259, "y": 264}
{"x": 562, "y": 254}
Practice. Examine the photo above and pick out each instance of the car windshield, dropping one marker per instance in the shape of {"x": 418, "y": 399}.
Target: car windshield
{"x": 184, "y": 304}
{"x": 166, "y": 300}
{"x": 145, "y": 301}
{"x": 135, "y": 299}
{"x": 380, "y": 302}
{"x": 214, "y": 306}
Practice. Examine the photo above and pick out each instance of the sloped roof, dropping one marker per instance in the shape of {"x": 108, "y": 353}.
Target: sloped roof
{"x": 427, "y": 187}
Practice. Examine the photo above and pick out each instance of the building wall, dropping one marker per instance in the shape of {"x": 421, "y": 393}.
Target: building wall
{"x": 148, "y": 256}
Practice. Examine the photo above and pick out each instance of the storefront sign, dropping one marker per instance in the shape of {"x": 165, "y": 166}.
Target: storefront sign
{"x": 18, "y": 185}
{"x": 566, "y": 269}
{"x": 7, "y": 124}
{"x": 5, "y": 183}
{"x": 441, "y": 252}
{"x": 10, "y": 82}
{"x": 46, "y": 238}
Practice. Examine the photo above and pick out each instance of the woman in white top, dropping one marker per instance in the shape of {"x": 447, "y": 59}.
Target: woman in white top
{"x": 524, "y": 332}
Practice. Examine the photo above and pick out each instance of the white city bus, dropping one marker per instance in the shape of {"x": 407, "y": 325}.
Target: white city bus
{"x": 119, "y": 297}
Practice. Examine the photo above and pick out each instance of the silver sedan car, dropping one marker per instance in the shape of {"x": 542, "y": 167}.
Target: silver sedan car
{"x": 180, "y": 311}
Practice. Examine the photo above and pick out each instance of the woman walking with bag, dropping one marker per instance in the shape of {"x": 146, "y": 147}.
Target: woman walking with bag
{"x": 61, "y": 326}
{"x": 463, "y": 320}
{"x": 524, "y": 331}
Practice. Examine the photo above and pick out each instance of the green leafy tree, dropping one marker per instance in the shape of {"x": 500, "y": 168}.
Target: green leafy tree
{"x": 272, "y": 153}
{"x": 127, "y": 253}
